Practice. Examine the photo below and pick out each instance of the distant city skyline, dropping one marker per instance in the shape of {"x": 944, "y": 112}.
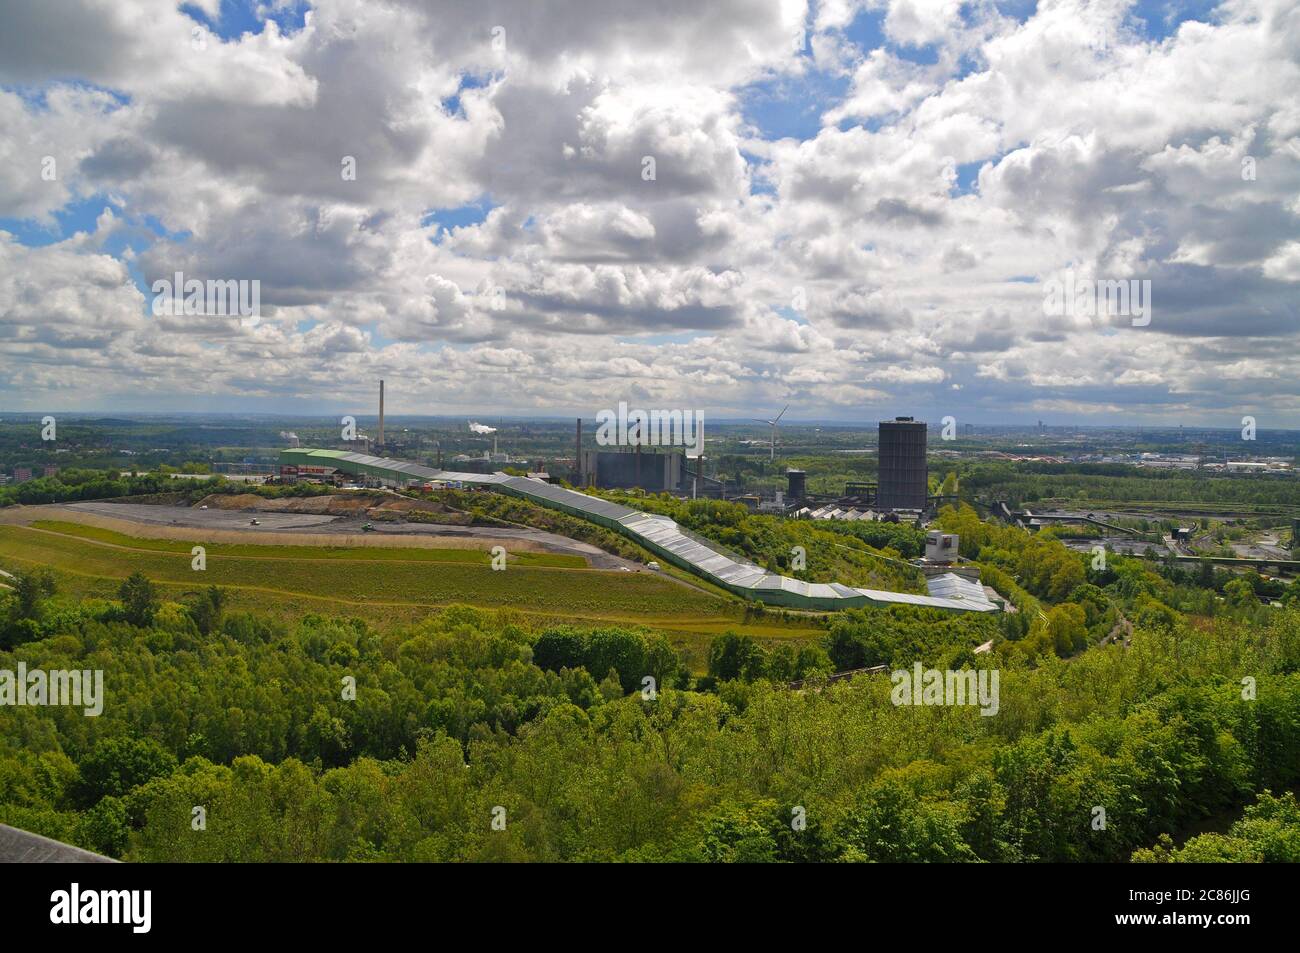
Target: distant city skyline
{"x": 869, "y": 422}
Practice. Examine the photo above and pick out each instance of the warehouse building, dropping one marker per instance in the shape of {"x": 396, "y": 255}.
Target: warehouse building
{"x": 632, "y": 469}
{"x": 659, "y": 534}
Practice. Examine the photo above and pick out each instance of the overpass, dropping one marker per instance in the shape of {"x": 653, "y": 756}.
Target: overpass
{"x": 1004, "y": 512}
{"x": 1075, "y": 518}
{"x": 1290, "y": 565}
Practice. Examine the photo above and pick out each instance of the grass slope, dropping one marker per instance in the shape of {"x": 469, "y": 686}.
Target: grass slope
{"x": 386, "y": 585}
{"x": 272, "y": 550}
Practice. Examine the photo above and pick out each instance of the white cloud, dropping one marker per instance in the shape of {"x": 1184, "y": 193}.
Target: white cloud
{"x": 893, "y": 258}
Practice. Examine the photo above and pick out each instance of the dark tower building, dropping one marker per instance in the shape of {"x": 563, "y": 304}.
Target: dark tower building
{"x": 798, "y": 484}
{"x": 904, "y": 480}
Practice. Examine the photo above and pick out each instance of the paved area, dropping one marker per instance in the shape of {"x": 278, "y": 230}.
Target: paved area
{"x": 202, "y": 519}
{"x": 308, "y": 529}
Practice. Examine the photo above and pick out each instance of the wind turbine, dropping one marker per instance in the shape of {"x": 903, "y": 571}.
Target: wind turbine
{"x": 772, "y": 423}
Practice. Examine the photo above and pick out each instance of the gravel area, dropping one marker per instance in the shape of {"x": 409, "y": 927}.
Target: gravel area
{"x": 313, "y": 529}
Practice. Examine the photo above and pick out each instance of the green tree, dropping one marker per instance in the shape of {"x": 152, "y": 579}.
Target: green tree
{"x": 1240, "y": 593}
{"x": 208, "y": 609}
{"x": 104, "y": 828}
{"x": 1067, "y": 627}
{"x": 115, "y": 766}
{"x": 139, "y": 600}
{"x": 892, "y": 825}
{"x": 733, "y": 656}
{"x": 27, "y": 607}
{"x": 31, "y": 589}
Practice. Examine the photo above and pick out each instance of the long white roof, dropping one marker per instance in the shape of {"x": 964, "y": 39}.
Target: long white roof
{"x": 707, "y": 558}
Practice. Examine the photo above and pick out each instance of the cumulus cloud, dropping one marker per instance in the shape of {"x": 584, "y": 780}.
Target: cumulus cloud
{"x": 503, "y": 205}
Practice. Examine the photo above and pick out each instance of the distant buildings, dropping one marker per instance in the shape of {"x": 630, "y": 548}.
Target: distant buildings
{"x": 1189, "y": 461}
{"x": 22, "y": 474}
{"x": 628, "y": 469}
{"x": 834, "y": 512}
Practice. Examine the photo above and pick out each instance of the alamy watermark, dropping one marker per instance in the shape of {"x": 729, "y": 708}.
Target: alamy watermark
{"x": 1099, "y": 298}
{"x": 62, "y": 687}
{"x": 131, "y": 908}
{"x": 934, "y": 687}
{"x": 653, "y": 428}
{"x": 222, "y": 297}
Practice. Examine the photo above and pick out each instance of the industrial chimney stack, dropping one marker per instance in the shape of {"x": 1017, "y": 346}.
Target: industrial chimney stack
{"x": 577, "y": 455}
{"x": 381, "y": 413}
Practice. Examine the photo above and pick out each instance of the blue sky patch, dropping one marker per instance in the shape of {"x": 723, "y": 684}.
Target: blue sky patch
{"x": 968, "y": 174}
{"x": 926, "y": 55}
{"x": 452, "y": 103}
{"x": 791, "y": 107}
{"x": 1018, "y": 10}
{"x": 758, "y": 185}
{"x": 867, "y": 30}
{"x": 77, "y": 216}
{"x": 240, "y": 16}
{"x": 36, "y": 98}
{"x": 1163, "y": 17}
{"x": 448, "y": 218}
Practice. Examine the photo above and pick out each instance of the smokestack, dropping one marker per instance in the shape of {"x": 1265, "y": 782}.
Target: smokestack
{"x": 381, "y": 413}
{"x": 578, "y": 454}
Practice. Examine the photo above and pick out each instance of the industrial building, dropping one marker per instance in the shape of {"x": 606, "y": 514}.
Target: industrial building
{"x": 941, "y": 547}
{"x": 903, "y": 477}
{"x": 658, "y": 534}
{"x": 632, "y": 468}
{"x": 833, "y": 511}
{"x": 796, "y": 484}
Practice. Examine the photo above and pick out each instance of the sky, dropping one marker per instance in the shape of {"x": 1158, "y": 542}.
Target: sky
{"x": 860, "y": 208}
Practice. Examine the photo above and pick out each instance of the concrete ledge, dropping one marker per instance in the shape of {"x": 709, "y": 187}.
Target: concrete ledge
{"x": 23, "y": 847}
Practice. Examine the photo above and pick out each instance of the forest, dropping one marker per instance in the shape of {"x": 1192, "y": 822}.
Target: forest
{"x": 476, "y": 736}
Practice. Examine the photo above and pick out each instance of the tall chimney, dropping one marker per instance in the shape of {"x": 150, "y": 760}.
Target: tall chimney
{"x": 577, "y": 459}
{"x": 381, "y": 413}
